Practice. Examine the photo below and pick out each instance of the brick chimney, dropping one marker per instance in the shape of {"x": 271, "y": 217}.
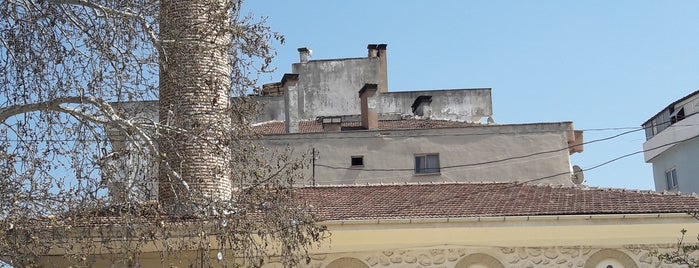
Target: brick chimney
{"x": 369, "y": 106}
{"x": 291, "y": 102}
{"x": 304, "y": 53}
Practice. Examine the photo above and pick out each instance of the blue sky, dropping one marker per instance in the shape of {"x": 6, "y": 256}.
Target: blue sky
{"x": 600, "y": 64}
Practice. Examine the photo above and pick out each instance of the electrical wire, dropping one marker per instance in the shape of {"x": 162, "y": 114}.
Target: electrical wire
{"x": 567, "y": 172}
{"x": 492, "y": 161}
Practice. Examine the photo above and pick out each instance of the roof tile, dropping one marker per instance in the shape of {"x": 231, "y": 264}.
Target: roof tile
{"x": 483, "y": 200}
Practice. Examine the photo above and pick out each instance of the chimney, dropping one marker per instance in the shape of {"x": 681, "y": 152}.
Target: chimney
{"x": 575, "y": 142}
{"x": 373, "y": 50}
{"x": 304, "y": 53}
{"x": 383, "y": 68}
{"x": 331, "y": 123}
{"x": 291, "y": 102}
{"x": 370, "y": 106}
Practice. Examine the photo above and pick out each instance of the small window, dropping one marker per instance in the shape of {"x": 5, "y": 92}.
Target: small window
{"x": 671, "y": 179}
{"x": 357, "y": 161}
{"x": 427, "y": 164}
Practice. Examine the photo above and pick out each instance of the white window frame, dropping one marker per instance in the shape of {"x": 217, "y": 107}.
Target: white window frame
{"x": 671, "y": 179}
{"x": 425, "y": 168}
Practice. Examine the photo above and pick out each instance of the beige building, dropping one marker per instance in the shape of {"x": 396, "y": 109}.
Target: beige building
{"x": 497, "y": 225}
{"x": 477, "y": 225}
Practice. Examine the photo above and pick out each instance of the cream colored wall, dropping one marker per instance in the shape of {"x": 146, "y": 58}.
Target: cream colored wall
{"x": 548, "y": 241}
{"x": 541, "y": 241}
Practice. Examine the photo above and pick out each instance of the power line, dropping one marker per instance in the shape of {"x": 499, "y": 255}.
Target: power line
{"x": 492, "y": 161}
{"x": 544, "y": 177}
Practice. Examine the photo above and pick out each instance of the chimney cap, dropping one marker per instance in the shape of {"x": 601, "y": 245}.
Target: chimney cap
{"x": 368, "y": 87}
{"x": 303, "y": 49}
{"x": 381, "y": 46}
{"x": 289, "y": 77}
{"x": 372, "y": 46}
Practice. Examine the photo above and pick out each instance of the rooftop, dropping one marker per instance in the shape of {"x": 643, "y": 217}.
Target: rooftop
{"x": 451, "y": 200}
{"x": 315, "y": 126}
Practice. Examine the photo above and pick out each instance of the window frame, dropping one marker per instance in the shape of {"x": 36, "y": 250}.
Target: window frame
{"x": 426, "y": 168}
{"x": 671, "y": 181}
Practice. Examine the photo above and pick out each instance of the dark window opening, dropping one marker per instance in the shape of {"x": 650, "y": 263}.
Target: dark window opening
{"x": 357, "y": 161}
{"x": 677, "y": 116}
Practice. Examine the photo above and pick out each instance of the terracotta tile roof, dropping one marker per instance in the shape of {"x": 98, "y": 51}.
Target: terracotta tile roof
{"x": 313, "y": 126}
{"x": 483, "y": 200}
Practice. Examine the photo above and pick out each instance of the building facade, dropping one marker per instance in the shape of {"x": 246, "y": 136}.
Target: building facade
{"x": 672, "y": 146}
{"x": 341, "y": 112}
{"x": 357, "y": 131}
{"x": 476, "y": 225}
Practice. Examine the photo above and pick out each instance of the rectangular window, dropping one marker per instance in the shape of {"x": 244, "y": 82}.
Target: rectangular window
{"x": 671, "y": 179}
{"x": 427, "y": 164}
{"x": 357, "y": 161}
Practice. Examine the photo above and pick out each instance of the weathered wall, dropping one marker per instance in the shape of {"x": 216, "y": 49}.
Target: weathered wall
{"x": 474, "y": 154}
{"x": 451, "y": 104}
{"x": 330, "y": 87}
{"x": 271, "y": 108}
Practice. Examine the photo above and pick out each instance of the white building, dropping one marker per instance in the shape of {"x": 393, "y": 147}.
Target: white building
{"x": 672, "y": 145}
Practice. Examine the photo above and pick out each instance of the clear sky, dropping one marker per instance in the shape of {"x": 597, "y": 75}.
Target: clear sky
{"x": 600, "y": 64}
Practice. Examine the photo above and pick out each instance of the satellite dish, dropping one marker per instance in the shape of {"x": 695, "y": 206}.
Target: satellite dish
{"x": 577, "y": 177}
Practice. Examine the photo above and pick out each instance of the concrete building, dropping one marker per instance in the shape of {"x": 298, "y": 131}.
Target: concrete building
{"x": 342, "y": 112}
{"x": 672, "y": 145}
{"x": 328, "y": 87}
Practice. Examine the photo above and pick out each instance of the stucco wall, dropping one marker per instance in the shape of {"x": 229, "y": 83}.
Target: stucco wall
{"x": 519, "y": 241}
{"x": 451, "y": 104}
{"x": 330, "y": 87}
{"x": 683, "y": 158}
{"x": 667, "y": 151}
{"x": 476, "y": 154}
{"x": 271, "y": 108}
{"x": 626, "y": 256}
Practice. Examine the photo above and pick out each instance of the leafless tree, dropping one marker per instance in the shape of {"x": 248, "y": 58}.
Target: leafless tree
{"x": 73, "y": 71}
{"x": 683, "y": 254}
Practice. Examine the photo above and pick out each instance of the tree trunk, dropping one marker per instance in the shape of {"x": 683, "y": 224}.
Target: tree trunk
{"x": 194, "y": 97}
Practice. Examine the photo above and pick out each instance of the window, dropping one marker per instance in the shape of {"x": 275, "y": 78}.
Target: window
{"x": 357, "y": 161}
{"x": 426, "y": 163}
{"x": 671, "y": 179}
